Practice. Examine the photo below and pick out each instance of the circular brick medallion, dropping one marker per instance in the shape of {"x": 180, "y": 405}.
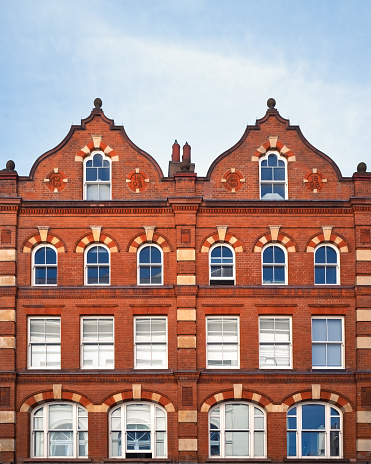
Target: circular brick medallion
{"x": 315, "y": 181}
{"x": 56, "y": 181}
{"x": 137, "y": 181}
{"x": 233, "y": 180}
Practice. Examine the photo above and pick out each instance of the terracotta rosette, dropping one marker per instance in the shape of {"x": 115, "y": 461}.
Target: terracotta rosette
{"x": 137, "y": 181}
{"x": 233, "y": 180}
{"x": 56, "y": 181}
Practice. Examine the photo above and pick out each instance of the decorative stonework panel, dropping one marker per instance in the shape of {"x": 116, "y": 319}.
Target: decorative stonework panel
{"x": 137, "y": 181}
{"x": 233, "y": 180}
{"x": 56, "y": 181}
{"x": 315, "y": 180}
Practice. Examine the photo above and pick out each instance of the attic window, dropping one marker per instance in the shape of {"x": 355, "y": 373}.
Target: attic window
{"x": 273, "y": 177}
{"x": 97, "y": 177}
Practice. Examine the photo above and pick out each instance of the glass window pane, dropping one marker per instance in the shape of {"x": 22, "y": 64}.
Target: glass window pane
{"x": 104, "y": 192}
{"x": 52, "y": 329}
{"x": 40, "y": 276}
{"x": 37, "y": 330}
{"x": 92, "y": 192}
{"x": 92, "y": 255}
{"x": 97, "y": 160}
{"x": 39, "y": 257}
{"x": 236, "y": 416}
{"x": 103, "y": 256}
{"x": 279, "y": 191}
{"x": 266, "y": 173}
{"x": 279, "y": 275}
{"x": 144, "y": 255}
{"x": 144, "y": 275}
{"x": 291, "y": 443}
{"x": 334, "y": 355}
{"x": 116, "y": 444}
{"x": 279, "y": 255}
{"x": 272, "y": 160}
{"x": 268, "y": 275}
{"x": 334, "y": 444}
{"x": 319, "y": 355}
{"x": 331, "y": 255}
{"x": 61, "y": 444}
{"x": 265, "y": 191}
{"x": 236, "y": 443}
{"x": 334, "y": 327}
{"x": 331, "y": 275}
{"x": 51, "y": 256}
{"x": 51, "y": 276}
{"x": 320, "y": 256}
{"x": 259, "y": 443}
{"x": 160, "y": 444}
{"x": 91, "y": 173}
{"x": 103, "y": 174}
{"x": 313, "y": 443}
{"x": 268, "y": 255}
{"x": 279, "y": 173}
{"x": 138, "y": 416}
{"x": 89, "y": 330}
{"x": 60, "y": 416}
{"x": 38, "y": 444}
{"x": 92, "y": 275}
{"x": 105, "y": 329}
{"x": 319, "y": 330}
{"x": 313, "y": 416}
{"x": 319, "y": 276}
{"x": 83, "y": 444}
{"x": 155, "y": 255}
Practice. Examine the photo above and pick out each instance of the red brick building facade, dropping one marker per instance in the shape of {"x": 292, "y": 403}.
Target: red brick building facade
{"x": 185, "y": 319}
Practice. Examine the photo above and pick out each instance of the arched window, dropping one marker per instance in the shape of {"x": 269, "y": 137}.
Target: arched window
{"x": 273, "y": 177}
{"x": 274, "y": 265}
{"x": 59, "y": 430}
{"x": 314, "y": 430}
{"x": 150, "y": 265}
{"x": 44, "y": 265}
{"x": 138, "y": 430}
{"x": 326, "y": 265}
{"x": 97, "y": 176}
{"x": 237, "y": 430}
{"x": 222, "y": 269}
{"x": 97, "y": 265}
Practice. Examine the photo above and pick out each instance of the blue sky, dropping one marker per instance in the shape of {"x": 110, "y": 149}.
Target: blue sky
{"x": 192, "y": 70}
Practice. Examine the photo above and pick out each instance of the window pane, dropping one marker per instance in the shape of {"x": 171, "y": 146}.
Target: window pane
{"x": 38, "y": 355}
{"x": 272, "y": 160}
{"x": 313, "y": 443}
{"x": 268, "y": 275}
{"x": 279, "y": 173}
{"x": 104, "y": 192}
{"x": 331, "y": 275}
{"x": 266, "y": 191}
{"x": 236, "y": 443}
{"x": 91, "y": 174}
{"x": 279, "y": 191}
{"x": 138, "y": 417}
{"x": 236, "y": 416}
{"x": 103, "y": 174}
{"x": 90, "y": 356}
{"x": 60, "y": 416}
{"x": 216, "y": 271}
{"x": 51, "y": 278}
{"x": 83, "y": 444}
{"x": 313, "y": 416}
{"x": 92, "y": 275}
{"x": 334, "y": 355}
{"x": 105, "y": 329}
{"x": 279, "y": 275}
{"x": 104, "y": 275}
{"x": 37, "y": 330}
{"x": 53, "y": 356}
{"x": 61, "y": 444}
{"x": 334, "y": 444}
{"x": 92, "y": 256}
{"x": 279, "y": 255}
{"x": 89, "y": 330}
{"x": 40, "y": 276}
{"x": 38, "y": 444}
{"x": 52, "y": 328}
{"x": 160, "y": 444}
{"x": 319, "y": 275}
{"x": 97, "y": 160}
{"x": 331, "y": 255}
{"x": 103, "y": 256}
{"x": 155, "y": 275}
{"x": 319, "y": 355}
{"x": 268, "y": 255}
{"x": 40, "y": 256}
{"x": 334, "y": 330}
{"x": 92, "y": 192}
{"x": 259, "y": 443}
{"x": 320, "y": 256}
{"x": 144, "y": 275}
{"x": 116, "y": 444}
{"x": 291, "y": 443}
{"x": 155, "y": 255}
{"x": 144, "y": 255}
{"x": 266, "y": 173}
{"x": 319, "y": 330}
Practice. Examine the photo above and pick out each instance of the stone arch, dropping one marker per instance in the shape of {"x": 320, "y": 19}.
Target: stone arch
{"x": 273, "y": 144}
{"x": 89, "y": 238}
{"x": 327, "y": 237}
{"x": 274, "y": 236}
{"x": 136, "y": 393}
{"x": 43, "y": 237}
{"x": 54, "y": 395}
{"x": 238, "y": 393}
{"x": 141, "y": 238}
{"x": 221, "y": 236}
{"x": 326, "y": 396}
{"x": 96, "y": 144}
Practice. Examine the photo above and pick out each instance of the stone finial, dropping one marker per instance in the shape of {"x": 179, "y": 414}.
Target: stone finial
{"x": 271, "y": 103}
{"x": 98, "y": 103}
{"x": 362, "y": 167}
{"x": 10, "y": 165}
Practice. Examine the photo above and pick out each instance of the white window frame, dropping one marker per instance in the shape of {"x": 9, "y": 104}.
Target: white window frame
{"x": 35, "y": 266}
{"x": 299, "y": 429}
{"x": 97, "y": 182}
{"x": 342, "y": 343}
{"x": 251, "y": 430}
{"x": 285, "y": 265}
{"x": 337, "y": 266}
{"x": 150, "y": 342}
{"x": 97, "y": 343}
{"x": 47, "y": 432}
{"x": 30, "y": 343}
{"x": 285, "y": 183}
{"x": 123, "y": 430}
{"x": 210, "y": 343}
{"x": 276, "y": 343}
{"x": 86, "y": 265}
{"x": 233, "y": 265}
{"x": 139, "y": 265}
